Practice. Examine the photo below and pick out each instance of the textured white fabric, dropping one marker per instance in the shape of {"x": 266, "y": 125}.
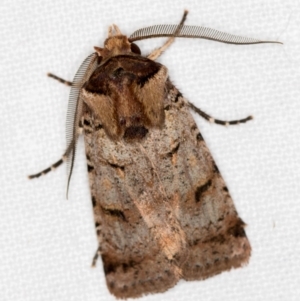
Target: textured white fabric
{"x": 47, "y": 242}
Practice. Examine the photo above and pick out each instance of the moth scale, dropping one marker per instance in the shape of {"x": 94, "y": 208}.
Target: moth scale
{"x": 161, "y": 207}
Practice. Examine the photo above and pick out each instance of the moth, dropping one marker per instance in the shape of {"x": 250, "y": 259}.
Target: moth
{"x": 161, "y": 207}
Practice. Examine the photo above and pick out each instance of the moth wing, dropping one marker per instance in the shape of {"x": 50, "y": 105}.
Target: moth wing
{"x": 131, "y": 254}
{"x": 161, "y": 208}
{"x": 215, "y": 236}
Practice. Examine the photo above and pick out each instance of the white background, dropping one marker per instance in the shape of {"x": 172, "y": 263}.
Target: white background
{"x": 47, "y": 242}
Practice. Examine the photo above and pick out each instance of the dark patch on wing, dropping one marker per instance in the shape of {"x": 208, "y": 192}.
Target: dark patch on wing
{"x": 201, "y": 189}
{"x": 174, "y": 150}
{"x": 94, "y": 201}
{"x": 215, "y": 239}
{"x": 109, "y": 265}
{"x": 90, "y": 168}
{"x": 117, "y": 166}
{"x": 112, "y": 266}
{"x": 115, "y": 213}
{"x": 216, "y": 169}
{"x": 86, "y": 122}
{"x": 98, "y": 127}
{"x": 135, "y": 132}
{"x": 199, "y": 137}
{"x": 177, "y": 96}
{"x": 238, "y": 229}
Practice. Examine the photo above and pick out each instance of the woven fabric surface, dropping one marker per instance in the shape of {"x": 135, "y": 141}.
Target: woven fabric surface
{"x": 47, "y": 242}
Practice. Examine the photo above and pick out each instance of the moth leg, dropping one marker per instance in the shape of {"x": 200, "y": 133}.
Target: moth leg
{"x": 158, "y": 52}
{"x": 61, "y": 80}
{"x": 52, "y": 167}
{"x": 218, "y": 121}
{"x": 95, "y": 258}
{"x": 59, "y": 162}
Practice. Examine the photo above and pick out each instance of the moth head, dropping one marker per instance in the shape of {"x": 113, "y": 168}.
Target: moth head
{"x": 116, "y": 44}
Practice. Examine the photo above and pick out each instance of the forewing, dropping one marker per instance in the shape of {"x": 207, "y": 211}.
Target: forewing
{"x": 162, "y": 210}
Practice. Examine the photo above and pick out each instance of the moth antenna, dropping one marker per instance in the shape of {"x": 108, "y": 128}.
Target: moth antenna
{"x": 110, "y": 30}
{"x": 117, "y": 30}
{"x": 74, "y": 113}
{"x": 195, "y": 32}
{"x": 158, "y": 52}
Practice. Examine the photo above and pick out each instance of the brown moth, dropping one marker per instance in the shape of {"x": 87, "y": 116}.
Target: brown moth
{"x": 162, "y": 210}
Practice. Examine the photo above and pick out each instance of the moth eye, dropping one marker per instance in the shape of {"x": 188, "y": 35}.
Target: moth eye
{"x": 99, "y": 59}
{"x": 135, "y": 48}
